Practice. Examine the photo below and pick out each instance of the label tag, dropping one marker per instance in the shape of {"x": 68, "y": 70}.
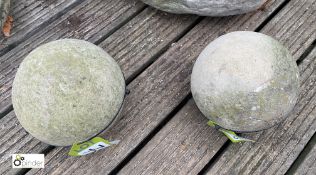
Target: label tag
{"x": 90, "y": 146}
{"x": 211, "y": 123}
{"x": 232, "y": 136}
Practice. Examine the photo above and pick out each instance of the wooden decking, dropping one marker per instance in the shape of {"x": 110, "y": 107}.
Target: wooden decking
{"x": 162, "y": 131}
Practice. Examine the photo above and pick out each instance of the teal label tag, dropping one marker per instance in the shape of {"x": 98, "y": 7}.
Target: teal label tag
{"x": 232, "y": 136}
{"x": 90, "y": 146}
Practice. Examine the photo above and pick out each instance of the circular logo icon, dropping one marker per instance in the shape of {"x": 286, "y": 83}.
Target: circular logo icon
{"x": 18, "y": 160}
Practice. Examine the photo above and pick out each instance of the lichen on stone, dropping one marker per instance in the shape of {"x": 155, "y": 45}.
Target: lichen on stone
{"x": 245, "y": 81}
{"x": 206, "y": 7}
{"x": 67, "y": 91}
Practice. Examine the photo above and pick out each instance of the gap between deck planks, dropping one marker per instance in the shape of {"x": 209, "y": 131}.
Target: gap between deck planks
{"x": 187, "y": 144}
{"x": 138, "y": 43}
{"x": 154, "y": 94}
{"x": 277, "y": 148}
{"x": 306, "y": 162}
{"x": 30, "y": 16}
{"x": 91, "y": 20}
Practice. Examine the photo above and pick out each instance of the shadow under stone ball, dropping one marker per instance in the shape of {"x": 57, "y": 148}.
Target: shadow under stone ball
{"x": 245, "y": 81}
{"x": 67, "y": 91}
{"x": 207, "y": 7}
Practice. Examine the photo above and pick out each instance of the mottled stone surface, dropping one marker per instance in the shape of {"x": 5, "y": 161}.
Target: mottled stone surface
{"x": 245, "y": 81}
{"x": 67, "y": 91}
{"x": 4, "y": 11}
{"x": 207, "y": 7}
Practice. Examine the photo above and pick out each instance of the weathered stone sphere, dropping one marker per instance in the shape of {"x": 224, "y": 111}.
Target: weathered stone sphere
{"x": 207, "y": 7}
{"x": 245, "y": 81}
{"x": 67, "y": 91}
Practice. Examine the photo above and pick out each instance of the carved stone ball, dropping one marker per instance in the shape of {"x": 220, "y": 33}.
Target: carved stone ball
{"x": 245, "y": 81}
{"x": 67, "y": 91}
{"x": 207, "y": 7}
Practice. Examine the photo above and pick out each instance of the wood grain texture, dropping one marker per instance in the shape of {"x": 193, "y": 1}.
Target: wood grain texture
{"x": 31, "y": 15}
{"x": 154, "y": 94}
{"x": 14, "y": 140}
{"x": 186, "y": 144}
{"x": 299, "y": 18}
{"x": 183, "y": 146}
{"x": 146, "y": 37}
{"x": 151, "y": 30}
{"x": 276, "y": 148}
{"x": 307, "y": 164}
{"x": 91, "y": 20}
{"x": 69, "y": 25}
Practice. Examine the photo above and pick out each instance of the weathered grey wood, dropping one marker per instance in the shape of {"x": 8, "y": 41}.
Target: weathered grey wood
{"x": 15, "y": 140}
{"x": 69, "y": 25}
{"x": 307, "y": 164}
{"x": 154, "y": 94}
{"x": 183, "y": 146}
{"x": 186, "y": 144}
{"x": 146, "y": 37}
{"x": 59, "y": 29}
{"x": 29, "y": 16}
{"x": 276, "y": 148}
{"x": 90, "y": 21}
{"x": 279, "y": 147}
{"x": 151, "y": 30}
{"x": 165, "y": 153}
{"x": 300, "y": 18}
{"x": 4, "y": 10}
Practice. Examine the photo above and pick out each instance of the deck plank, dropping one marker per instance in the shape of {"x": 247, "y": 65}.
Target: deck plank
{"x": 298, "y": 18}
{"x": 184, "y": 147}
{"x": 307, "y": 164}
{"x": 91, "y": 20}
{"x": 277, "y": 148}
{"x": 67, "y": 26}
{"x": 142, "y": 118}
{"x": 146, "y": 37}
{"x": 186, "y": 144}
{"x": 154, "y": 94}
{"x": 29, "y": 16}
{"x": 151, "y": 31}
